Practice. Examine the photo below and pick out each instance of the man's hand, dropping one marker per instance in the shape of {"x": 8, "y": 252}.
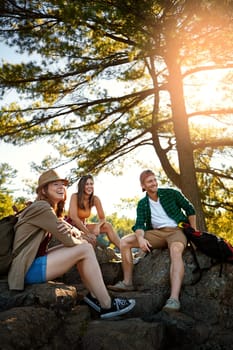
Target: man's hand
{"x": 144, "y": 244}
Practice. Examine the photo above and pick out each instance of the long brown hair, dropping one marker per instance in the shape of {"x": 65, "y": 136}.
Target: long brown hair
{"x": 80, "y": 194}
{"x": 43, "y": 195}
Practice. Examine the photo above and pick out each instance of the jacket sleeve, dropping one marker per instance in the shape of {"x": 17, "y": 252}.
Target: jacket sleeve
{"x": 41, "y": 215}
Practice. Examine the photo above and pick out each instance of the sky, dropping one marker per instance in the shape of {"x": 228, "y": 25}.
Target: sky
{"x": 109, "y": 188}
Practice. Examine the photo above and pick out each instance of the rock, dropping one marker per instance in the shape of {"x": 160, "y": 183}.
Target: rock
{"x": 27, "y": 327}
{"x": 53, "y": 316}
{"x": 127, "y": 334}
{"x": 52, "y": 295}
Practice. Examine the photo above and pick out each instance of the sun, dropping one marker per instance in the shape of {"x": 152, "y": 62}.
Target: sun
{"x": 206, "y": 94}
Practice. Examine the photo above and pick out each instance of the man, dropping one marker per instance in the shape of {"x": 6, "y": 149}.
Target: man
{"x": 158, "y": 216}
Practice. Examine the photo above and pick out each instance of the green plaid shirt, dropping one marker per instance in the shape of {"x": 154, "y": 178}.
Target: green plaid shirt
{"x": 175, "y": 204}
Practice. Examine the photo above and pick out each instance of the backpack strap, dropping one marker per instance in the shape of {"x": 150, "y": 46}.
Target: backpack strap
{"x": 201, "y": 269}
{"x": 189, "y": 233}
{"x": 198, "y": 267}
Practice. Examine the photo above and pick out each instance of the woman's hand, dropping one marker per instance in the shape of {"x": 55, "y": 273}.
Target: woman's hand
{"x": 95, "y": 229}
{"x": 89, "y": 237}
{"x": 65, "y": 228}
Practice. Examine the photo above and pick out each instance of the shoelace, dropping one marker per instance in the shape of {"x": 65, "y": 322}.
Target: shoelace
{"x": 120, "y": 303}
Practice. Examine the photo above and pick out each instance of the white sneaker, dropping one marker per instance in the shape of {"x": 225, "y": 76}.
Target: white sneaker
{"x": 172, "y": 305}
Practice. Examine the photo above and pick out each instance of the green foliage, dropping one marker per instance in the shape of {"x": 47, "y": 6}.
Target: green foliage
{"x": 105, "y": 78}
{"x": 7, "y": 200}
{"x": 6, "y": 203}
{"x": 122, "y": 225}
{"x": 7, "y": 174}
{"x": 221, "y": 224}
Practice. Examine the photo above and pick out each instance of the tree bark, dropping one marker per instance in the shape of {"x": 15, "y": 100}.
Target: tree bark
{"x": 188, "y": 181}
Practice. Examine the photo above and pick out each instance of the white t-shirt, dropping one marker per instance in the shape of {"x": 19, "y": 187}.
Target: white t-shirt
{"x": 159, "y": 217}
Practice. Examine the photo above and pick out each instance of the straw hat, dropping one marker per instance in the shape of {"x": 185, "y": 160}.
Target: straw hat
{"x": 49, "y": 176}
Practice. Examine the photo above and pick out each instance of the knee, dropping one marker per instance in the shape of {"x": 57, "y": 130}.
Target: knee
{"x": 176, "y": 249}
{"x": 107, "y": 226}
{"x": 87, "y": 248}
{"x": 123, "y": 243}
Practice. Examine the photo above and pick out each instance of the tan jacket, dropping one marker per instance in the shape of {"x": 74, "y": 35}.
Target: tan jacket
{"x": 38, "y": 217}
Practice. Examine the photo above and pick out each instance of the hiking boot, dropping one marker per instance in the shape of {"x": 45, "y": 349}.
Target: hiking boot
{"x": 120, "y": 306}
{"x": 172, "y": 305}
{"x": 121, "y": 287}
{"x": 93, "y": 302}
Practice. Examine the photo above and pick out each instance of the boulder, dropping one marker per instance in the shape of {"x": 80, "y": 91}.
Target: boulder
{"x": 53, "y": 315}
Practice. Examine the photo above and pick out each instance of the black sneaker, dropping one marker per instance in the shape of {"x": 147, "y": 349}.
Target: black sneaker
{"x": 93, "y": 302}
{"x": 120, "y": 306}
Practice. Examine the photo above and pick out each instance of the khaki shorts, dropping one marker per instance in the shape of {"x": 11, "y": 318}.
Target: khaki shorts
{"x": 163, "y": 237}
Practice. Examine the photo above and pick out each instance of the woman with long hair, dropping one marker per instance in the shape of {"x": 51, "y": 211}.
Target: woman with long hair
{"x": 81, "y": 204}
{"x": 36, "y": 263}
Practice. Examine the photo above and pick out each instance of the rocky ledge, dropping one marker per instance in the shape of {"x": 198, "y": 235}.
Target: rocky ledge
{"x": 52, "y": 316}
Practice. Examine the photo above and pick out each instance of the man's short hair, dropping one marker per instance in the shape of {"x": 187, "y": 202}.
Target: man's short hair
{"x": 144, "y": 175}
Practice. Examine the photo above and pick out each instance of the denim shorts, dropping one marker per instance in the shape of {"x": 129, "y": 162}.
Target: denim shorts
{"x": 37, "y": 271}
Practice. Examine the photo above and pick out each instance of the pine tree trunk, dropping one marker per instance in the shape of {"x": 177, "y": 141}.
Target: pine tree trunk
{"x": 187, "y": 180}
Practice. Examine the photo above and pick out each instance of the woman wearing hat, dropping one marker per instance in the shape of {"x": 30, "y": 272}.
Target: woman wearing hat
{"x": 37, "y": 264}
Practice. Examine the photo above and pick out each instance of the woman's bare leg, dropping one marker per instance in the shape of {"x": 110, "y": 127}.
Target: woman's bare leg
{"x": 112, "y": 235}
{"x": 62, "y": 259}
{"x": 108, "y": 229}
